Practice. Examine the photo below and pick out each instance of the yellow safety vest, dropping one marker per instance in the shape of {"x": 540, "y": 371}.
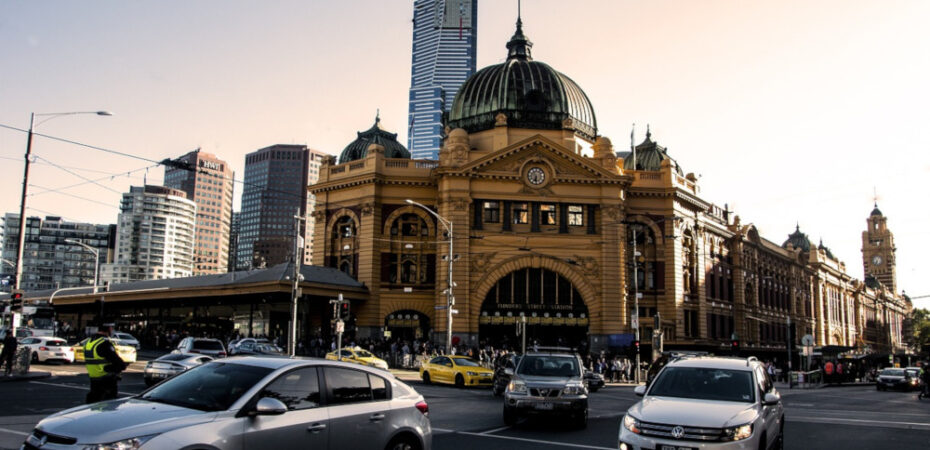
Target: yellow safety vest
{"x": 92, "y": 360}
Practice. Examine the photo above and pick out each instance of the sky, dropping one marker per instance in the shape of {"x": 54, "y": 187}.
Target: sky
{"x": 790, "y": 111}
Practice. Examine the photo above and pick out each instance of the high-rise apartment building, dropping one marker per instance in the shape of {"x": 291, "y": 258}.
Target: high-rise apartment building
{"x": 313, "y": 175}
{"x": 233, "y": 243}
{"x": 274, "y": 191}
{"x": 210, "y": 186}
{"x": 53, "y": 258}
{"x": 444, "y": 53}
{"x": 155, "y": 236}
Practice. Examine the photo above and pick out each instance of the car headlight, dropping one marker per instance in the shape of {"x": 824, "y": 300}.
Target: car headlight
{"x": 471, "y": 374}
{"x": 574, "y": 389}
{"x": 631, "y": 423}
{"x": 517, "y": 387}
{"x": 125, "y": 444}
{"x": 738, "y": 433}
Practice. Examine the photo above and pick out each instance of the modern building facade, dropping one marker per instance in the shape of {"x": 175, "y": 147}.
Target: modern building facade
{"x": 546, "y": 222}
{"x": 50, "y": 261}
{"x": 210, "y": 185}
{"x": 233, "y": 243}
{"x": 444, "y": 56}
{"x": 155, "y": 236}
{"x": 314, "y": 163}
{"x": 275, "y": 190}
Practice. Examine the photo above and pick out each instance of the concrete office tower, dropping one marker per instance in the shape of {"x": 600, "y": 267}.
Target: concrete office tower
{"x": 274, "y": 191}
{"x": 233, "y": 243}
{"x": 49, "y": 260}
{"x": 155, "y": 236}
{"x": 313, "y": 175}
{"x": 210, "y": 186}
{"x": 444, "y": 42}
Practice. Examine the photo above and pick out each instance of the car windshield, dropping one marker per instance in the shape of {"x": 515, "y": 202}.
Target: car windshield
{"x": 893, "y": 372}
{"x": 266, "y": 348}
{"x": 704, "y": 383}
{"x": 549, "y": 366}
{"x": 466, "y": 362}
{"x": 175, "y": 357}
{"x": 210, "y": 387}
{"x": 56, "y": 343}
{"x": 208, "y": 345}
{"x": 364, "y": 354}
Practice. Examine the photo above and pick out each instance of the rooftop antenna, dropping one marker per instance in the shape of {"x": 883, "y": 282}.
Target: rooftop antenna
{"x": 633, "y": 144}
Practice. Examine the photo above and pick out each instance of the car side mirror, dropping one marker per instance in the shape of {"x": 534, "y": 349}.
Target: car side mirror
{"x": 508, "y": 371}
{"x": 771, "y": 399}
{"x": 268, "y": 406}
{"x": 640, "y": 390}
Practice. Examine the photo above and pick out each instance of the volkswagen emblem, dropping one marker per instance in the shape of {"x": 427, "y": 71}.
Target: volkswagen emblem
{"x": 544, "y": 392}
{"x": 678, "y": 432}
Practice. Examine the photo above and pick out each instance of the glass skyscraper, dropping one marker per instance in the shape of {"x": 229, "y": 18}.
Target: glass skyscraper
{"x": 444, "y": 41}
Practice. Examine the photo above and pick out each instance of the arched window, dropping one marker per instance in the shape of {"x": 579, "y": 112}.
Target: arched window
{"x": 343, "y": 248}
{"x": 411, "y": 256}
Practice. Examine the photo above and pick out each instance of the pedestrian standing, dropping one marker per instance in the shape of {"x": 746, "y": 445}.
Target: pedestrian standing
{"x": 103, "y": 365}
{"x": 8, "y": 355}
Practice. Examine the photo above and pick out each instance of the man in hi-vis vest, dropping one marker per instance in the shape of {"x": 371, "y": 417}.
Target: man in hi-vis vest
{"x": 103, "y": 364}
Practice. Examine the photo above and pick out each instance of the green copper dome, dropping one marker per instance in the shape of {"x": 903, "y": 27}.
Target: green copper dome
{"x": 358, "y": 149}
{"x": 649, "y": 156}
{"x": 798, "y": 240}
{"x": 530, "y": 93}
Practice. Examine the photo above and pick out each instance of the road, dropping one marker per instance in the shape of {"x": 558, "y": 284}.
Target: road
{"x": 829, "y": 418}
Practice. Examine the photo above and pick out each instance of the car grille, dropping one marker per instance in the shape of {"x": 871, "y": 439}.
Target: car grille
{"x": 688, "y": 433}
{"x": 545, "y": 392}
{"x": 39, "y": 435}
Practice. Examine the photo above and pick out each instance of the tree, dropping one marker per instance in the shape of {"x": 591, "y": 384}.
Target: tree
{"x": 919, "y": 336}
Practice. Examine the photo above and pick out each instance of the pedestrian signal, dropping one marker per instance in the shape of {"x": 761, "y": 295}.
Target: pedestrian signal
{"x": 734, "y": 345}
{"x": 16, "y": 301}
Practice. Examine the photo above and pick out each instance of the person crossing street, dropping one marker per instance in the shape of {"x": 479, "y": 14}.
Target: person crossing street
{"x": 103, "y": 365}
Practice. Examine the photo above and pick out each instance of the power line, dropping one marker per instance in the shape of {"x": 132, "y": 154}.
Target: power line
{"x": 75, "y": 196}
{"x": 110, "y": 177}
{"x": 79, "y": 176}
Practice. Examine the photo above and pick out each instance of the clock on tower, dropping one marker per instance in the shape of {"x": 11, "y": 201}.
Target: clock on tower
{"x": 878, "y": 250}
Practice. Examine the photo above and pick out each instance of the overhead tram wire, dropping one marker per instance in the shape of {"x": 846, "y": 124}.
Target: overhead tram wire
{"x": 108, "y": 177}
{"x": 78, "y": 175}
{"x": 76, "y": 196}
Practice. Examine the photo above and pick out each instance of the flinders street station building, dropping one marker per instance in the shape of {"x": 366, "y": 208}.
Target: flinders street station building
{"x": 547, "y": 222}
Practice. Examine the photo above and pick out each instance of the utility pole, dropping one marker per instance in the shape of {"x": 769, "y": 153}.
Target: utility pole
{"x": 295, "y": 289}
{"x": 521, "y": 330}
{"x": 340, "y": 325}
{"x": 636, "y": 299}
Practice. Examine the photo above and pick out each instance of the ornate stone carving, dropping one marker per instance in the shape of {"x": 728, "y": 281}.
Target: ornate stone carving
{"x": 375, "y": 149}
{"x": 328, "y": 160}
{"x": 611, "y": 212}
{"x": 459, "y": 204}
{"x": 318, "y": 215}
{"x": 481, "y": 261}
{"x": 568, "y": 124}
{"x": 455, "y": 149}
{"x": 500, "y": 120}
{"x": 367, "y": 209}
{"x": 589, "y": 266}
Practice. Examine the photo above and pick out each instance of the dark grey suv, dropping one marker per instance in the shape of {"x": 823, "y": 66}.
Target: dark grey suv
{"x": 547, "y": 383}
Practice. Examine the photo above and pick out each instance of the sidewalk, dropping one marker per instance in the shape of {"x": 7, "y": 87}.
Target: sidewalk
{"x": 29, "y": 376}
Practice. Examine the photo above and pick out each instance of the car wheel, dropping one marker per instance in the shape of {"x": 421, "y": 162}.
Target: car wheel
{"x": 510, "y": 416}
{"x": 780, "y": 442}
{"x": 763, "y": 441}
{"x": 403, "y": 443}
{"x": 497, "y": 391}
{"x": 581, "y": 420}
{"x": 426, "y": 379}
{"x": 593, "y": 388}
{"x": 459, "y": 381}
{"x": 35, "y": 357}
{"x": 149, "y": 382}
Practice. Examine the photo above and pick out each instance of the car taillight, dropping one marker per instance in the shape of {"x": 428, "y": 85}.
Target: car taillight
{"x": 43, "y": 348}
{"x": 222, "y": 354}
{"x": 422, "y": 407}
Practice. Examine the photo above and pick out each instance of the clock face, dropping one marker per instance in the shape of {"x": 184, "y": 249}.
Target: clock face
{"x": 877, "y": 260}
{"x": 536, "y": 176}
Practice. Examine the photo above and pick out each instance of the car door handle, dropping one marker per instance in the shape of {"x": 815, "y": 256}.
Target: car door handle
{"x": 376, "y": 417}
{"x": 316, "y": 428}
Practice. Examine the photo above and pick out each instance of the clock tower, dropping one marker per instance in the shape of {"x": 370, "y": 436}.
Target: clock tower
{"x": 878, "y": 250}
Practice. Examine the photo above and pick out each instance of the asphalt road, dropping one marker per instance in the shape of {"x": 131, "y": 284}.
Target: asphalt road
{"x": 829, "y": 418}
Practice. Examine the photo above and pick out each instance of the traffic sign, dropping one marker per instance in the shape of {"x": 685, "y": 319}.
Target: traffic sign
{"x": 340, "y": 326}
{"x": 455, "y": 311}
{"x": 440, "y": 306}
{"x": 807, "y": 340}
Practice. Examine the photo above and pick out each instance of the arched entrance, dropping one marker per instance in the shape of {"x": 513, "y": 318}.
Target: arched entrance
{"x": 555, "y": 311}
{"x": 407, "y": 325}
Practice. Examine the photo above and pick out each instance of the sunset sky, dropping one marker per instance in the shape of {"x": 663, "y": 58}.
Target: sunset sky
{"x": 790, "y": 111}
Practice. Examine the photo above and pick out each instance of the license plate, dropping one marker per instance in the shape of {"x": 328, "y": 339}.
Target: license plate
{"x": 59, "y": 354}
{"x": 543, "y": 406}
{"x": 675, "y": 447}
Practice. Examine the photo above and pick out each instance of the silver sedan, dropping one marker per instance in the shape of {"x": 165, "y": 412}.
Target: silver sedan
{"x": 251, "y": 402}
{"x": 172, "y": 364}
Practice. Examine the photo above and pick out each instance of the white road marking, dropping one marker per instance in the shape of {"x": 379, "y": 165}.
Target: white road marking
{"x": 7, "y": 430}
{"x": 862, "y": 422}
{"x": 495, "y": 430}
{"x": 535, "y": 441}
{"x": 83, "y": 388}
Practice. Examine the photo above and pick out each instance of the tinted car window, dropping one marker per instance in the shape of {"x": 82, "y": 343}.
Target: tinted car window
{"x": 174, "y": 357}
{"x": 347, "y": 385}
{"x": 436, "y": 360}
{"x": 208, "y": 345}
{"x": 466, "y": 362}
{"x": 299, "y": 389}
{"x": 210, "y": 387}
{"x": 56, "y": 343}
{"x": 378, "y": 387}
{"x": 549, "y": 366}
{"x": 706, "y": 384}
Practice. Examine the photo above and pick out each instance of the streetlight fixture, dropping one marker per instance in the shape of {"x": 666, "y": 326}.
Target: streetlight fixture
{"x": 450, "y": 297}
{"x": 18, "y": 273}
{"x": 96, "y": 253}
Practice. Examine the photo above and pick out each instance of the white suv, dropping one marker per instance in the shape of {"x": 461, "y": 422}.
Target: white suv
{"x": 706, "y": 402}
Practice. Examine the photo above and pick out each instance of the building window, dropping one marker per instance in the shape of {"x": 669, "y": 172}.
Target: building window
{"x": 575, "y": 215}
{"x": 492, "y": 212}
{"x": 547, "y": 214}
{"x": 521, "y": 213}
{"x": 691, "y": 323}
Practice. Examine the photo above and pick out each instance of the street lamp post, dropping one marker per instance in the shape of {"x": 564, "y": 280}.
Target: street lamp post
{"x": 96, "y": 253}
{"x": 18, "y": 273}
{"x": 450, "y": 297}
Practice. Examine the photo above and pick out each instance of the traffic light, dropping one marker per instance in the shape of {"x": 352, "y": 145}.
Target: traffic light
{"x": 734, "y": 345}
{"x": 16, "y": 301}
{"x": 344, "y": 309}
{"x": 636, "y": 345}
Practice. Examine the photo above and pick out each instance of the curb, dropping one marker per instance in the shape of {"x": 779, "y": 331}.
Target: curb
{"x": 29, "y": 376}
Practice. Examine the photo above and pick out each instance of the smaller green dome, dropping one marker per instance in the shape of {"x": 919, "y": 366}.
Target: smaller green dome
{"x": 649, "y": 156}
{"x": 358, "y": 149}
{"x": 876, "y": 211}
{"x": 798, "y": 240}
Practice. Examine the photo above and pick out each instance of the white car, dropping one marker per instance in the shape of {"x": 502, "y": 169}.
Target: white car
{"x": 125, "y": 339}
{"x": 707, "y": 403}
{"x": 47, "y": 348}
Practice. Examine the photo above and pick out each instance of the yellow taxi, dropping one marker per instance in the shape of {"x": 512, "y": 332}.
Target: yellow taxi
{"x": 459, "y": 370}
{"x": 126, "y": 352}
{"x": 359, "y": 356}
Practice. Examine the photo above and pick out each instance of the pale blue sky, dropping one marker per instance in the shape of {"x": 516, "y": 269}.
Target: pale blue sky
{"x": 791, "y": 111}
